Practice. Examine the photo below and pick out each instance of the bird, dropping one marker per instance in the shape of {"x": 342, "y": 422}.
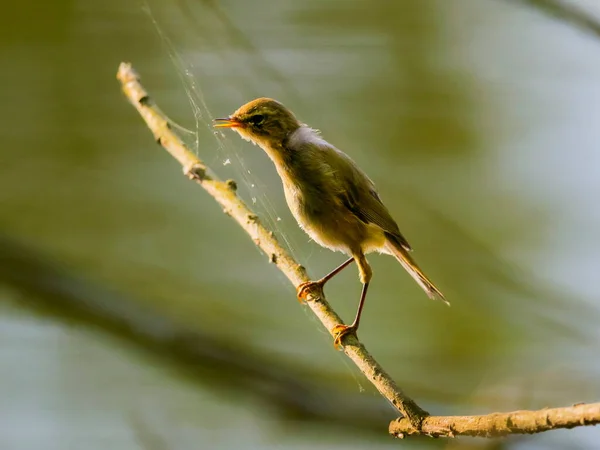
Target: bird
{"x": 330, "y": 197}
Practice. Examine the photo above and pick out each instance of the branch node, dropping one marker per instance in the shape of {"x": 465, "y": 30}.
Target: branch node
{"x": 144, "y": 100}
{"x": 301, "y": 269}
{"x": 315, "y": 294}
{"x": 232, "y": 185}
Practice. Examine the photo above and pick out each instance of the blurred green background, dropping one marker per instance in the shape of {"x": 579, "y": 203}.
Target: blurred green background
{"x": 135, "y": 314}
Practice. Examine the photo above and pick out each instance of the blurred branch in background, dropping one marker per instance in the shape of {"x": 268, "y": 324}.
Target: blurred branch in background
{"x": 235, "y": 368}
{"x": 566, "y": 12}
{"x": 416, "y": 421}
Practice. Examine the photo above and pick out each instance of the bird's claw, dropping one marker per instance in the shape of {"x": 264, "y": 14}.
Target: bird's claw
{"x": 308, "y": 288}
{"x": 341, "y": 331}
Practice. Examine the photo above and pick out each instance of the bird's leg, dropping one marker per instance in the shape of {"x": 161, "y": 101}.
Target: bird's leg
{"x": 339, "y": 331}
{"x": 305, "y": 288}
{"x": 365, "y": 272}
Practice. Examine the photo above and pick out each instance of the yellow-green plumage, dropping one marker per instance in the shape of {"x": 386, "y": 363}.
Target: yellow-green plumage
{"x": 332, "y": 199}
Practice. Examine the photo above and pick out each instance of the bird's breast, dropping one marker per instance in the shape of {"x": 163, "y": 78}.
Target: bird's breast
{"x": 325, "y": 219}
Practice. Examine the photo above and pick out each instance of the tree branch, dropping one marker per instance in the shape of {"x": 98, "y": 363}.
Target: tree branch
{"x": 502, "y": 424}
{"x": 416, "y": 421}
{"x": 224, "y": 194}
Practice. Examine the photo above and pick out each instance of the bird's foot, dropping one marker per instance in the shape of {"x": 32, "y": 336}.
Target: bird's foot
{"x": 309, "y": 288}
{"x": 340, "y": 332}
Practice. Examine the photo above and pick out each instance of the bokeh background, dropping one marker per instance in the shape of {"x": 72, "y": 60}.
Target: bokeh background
{"x": 135, "y": 315}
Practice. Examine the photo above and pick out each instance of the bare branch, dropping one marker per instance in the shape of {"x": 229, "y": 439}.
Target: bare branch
{"x": 224, "y": 194}
{"x": 502, "y": 424}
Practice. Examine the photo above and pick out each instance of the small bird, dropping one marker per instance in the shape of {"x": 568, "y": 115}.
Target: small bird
{"x": 332, "y": 199}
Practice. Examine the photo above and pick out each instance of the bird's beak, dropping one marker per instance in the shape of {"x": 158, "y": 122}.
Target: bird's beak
{"x": 229, "y": 122}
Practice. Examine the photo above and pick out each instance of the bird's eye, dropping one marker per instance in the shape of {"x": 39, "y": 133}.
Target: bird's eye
{"x": 257, "y": 119}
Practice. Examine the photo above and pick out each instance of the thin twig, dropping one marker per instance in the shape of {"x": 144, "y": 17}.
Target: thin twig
{"x": 502, "y": 424}
{"x": 224, "y": 193}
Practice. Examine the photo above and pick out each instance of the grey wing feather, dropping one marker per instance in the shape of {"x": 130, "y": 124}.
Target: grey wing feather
{"x": 359, "y": 195}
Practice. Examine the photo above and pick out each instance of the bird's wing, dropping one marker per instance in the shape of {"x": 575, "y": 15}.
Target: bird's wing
{"x": 357, "y": 192}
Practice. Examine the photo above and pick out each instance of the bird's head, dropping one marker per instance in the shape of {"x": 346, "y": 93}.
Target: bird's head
{"x": 264, "y": 121}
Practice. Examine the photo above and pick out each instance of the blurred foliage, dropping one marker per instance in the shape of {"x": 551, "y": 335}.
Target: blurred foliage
{"x": 453, "y": 108}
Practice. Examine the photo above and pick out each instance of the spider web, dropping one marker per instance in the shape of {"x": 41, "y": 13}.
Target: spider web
{"x": 229, "y": 157}
{"x": 227, "y": 154}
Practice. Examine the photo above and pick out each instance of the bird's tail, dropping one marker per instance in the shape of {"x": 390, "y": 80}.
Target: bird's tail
{"x": 401, "y": 253}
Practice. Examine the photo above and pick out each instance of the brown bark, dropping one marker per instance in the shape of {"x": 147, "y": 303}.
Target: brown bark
{"x": 501, "y": 424}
